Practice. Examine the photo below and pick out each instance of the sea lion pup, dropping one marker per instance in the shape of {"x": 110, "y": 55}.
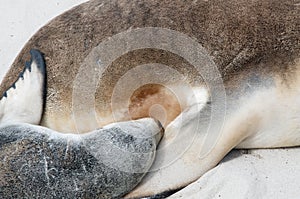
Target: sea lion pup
{"x": 37, "y": 162}
{"x": 254, "y": 45}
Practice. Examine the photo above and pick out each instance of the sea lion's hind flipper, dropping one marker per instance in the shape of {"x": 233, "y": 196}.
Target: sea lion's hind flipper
{"x": 23, "y": 101}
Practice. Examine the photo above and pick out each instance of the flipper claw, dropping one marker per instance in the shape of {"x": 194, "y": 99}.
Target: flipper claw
{"x": 23, "y": 100}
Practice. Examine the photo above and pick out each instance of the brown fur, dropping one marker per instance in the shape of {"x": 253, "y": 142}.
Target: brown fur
{"x": 148, "y": 96}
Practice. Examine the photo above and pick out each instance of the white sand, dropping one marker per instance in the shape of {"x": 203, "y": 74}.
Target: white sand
{"x": 261, "y": 174}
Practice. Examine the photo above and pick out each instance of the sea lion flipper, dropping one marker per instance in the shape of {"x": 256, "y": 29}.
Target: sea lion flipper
{"x": 23, "y": 101}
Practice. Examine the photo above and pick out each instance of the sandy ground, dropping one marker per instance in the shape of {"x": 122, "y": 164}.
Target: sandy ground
{"x": 257, "y": 174}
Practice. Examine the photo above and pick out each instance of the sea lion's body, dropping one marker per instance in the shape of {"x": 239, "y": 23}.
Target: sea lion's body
{"x": 255, "y": 46}
{"x": 237, "y": 34}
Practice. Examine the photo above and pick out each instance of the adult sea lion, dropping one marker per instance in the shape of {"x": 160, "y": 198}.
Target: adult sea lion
{"x": 253, "y": 45}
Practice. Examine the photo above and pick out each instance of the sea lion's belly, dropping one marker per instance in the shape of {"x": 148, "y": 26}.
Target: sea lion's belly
{"x": 151, "y": 100}
{"x": 279, "y": 124}
{"x": 275, "y": 99}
